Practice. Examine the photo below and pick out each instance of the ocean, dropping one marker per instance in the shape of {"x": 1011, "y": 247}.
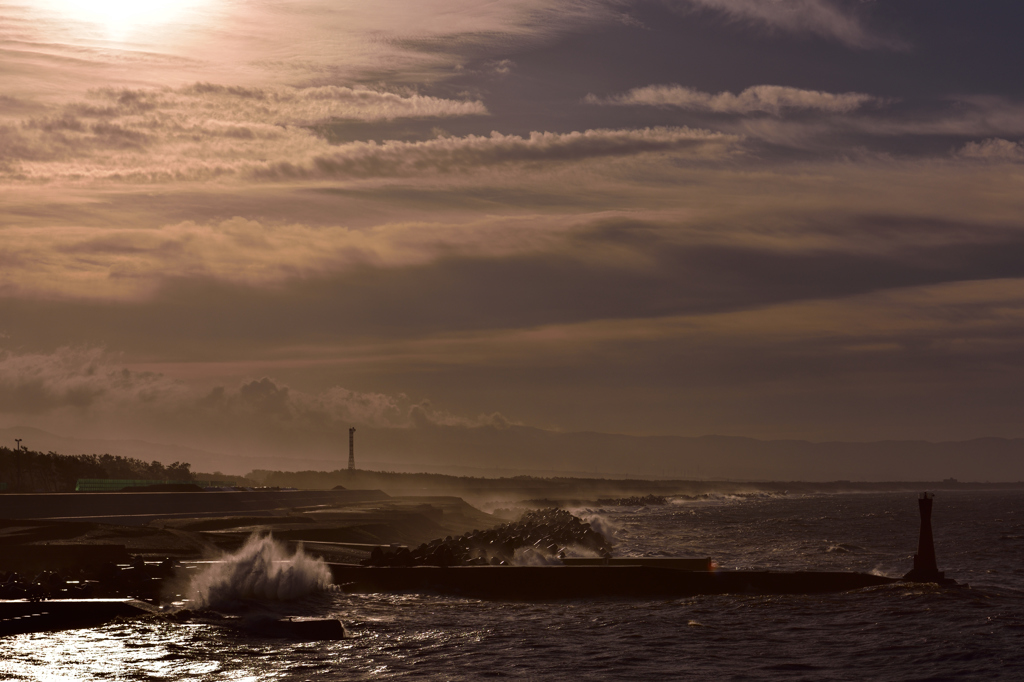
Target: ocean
{"x": 896, "y": 632}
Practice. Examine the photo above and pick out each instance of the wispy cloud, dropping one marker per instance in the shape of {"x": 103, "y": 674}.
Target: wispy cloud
{"x": 604, "y": 219}
{"x": 824, "y": 18}
{"x": 195, "y": 132}
{"x": 993, "y": 149}
{"x": 453, "y": 154}
{"x": 988, "y": 117}
{"x": 772, "y": 99}
{"x": 206, "y": 131}
{"x": 306, "y": 105}
{"x": 132, "y": 262}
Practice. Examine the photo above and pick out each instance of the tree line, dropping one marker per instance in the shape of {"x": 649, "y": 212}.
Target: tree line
{"x": 50, "y": 472}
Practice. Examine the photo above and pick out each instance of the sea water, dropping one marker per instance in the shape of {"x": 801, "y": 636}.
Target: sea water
{"x": 897, "y": 632}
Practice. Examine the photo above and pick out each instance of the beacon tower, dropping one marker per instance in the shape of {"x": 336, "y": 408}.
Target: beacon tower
{"x": 352, "y": 448}
{"x": 926, "y": 569}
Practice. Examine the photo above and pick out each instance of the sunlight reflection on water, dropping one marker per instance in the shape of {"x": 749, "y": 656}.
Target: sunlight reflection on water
{"x": 972, "y": 634}
{"x": 160, "y": 651}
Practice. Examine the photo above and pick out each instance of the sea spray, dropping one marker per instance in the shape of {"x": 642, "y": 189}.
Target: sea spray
{"x": 261, "y": 570}
{"x": 528, "y": 556}
{"x": 600, "y": 524}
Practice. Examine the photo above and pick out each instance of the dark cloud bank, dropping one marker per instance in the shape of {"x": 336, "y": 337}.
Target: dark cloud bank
{"x": 463, "y": 293}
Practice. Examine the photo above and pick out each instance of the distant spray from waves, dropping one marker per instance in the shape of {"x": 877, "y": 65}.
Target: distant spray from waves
{"x": 261, "y": 570}
{"x": 725, "y": 498}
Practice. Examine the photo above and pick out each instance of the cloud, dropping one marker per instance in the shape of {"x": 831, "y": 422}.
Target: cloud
{"x": 94, "y": 384}
{"x": 487, "y": 69}
{"x": 284, "y": 105}
{"x": 824, "y": 18}
{"x": 994, "y": 149}
{"x": 611, "y": 228}
{"x": 266, "y": 400}
{"x": 75, "y": 378}
{"x": 132, "y": 262}
{"x": 201, "y": 131}
{"x": 961, "y": 116}
{"x": 193, "y": 105}
{"x": 453, "y": 154}
{"x": 424, "y": 415}
{"x": 913, "y": 125}
{"x": 205, "y": 132}
{"x": 305, "y": 41}
{"x": 613, "y": 269}
{"x": 773, "y": 99}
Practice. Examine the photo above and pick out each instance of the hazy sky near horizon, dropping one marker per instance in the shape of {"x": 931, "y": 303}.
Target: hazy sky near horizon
{"x": 770, "y": 218}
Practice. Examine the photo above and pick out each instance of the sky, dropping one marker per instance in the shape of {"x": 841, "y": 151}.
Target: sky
{"x": 768, "y": 218}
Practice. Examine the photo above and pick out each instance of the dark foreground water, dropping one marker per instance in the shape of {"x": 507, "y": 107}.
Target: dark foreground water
{"x": 894, "y": 633}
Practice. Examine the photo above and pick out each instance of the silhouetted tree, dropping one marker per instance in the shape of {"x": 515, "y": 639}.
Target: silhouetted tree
{"x": 31, "y": 471}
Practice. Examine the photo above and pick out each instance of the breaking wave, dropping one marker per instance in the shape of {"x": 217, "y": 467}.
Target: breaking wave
{"x": 600, "y": 524}
{"x": 842, "y": 548}
{"x": 261, "y": 570}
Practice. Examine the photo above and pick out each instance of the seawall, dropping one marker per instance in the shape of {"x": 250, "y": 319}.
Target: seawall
{"x": 136, "y": 509}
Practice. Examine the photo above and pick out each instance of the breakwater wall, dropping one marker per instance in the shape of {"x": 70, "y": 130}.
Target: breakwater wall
{"x": 136, "y": 509}
{"x": 578, "y": 582}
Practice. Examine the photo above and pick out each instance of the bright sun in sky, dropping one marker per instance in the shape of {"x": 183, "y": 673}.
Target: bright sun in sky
{"x": 120, "y": 16}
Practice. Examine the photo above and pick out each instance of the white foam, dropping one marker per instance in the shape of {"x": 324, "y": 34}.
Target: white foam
{"x": 528, "y": 556}
{"x": 601, "y": 524}
{"x": 262, "y": 570}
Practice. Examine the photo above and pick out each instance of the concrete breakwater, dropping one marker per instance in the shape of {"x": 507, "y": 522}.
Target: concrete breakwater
{"x": 543, "y": 533}
{"x": 137, "y": 509}
{"x": 481, "y": 564}
{"x": 21, "y": 617}
{"x": 578, "y": 582}
{"x": 137, "y": 579}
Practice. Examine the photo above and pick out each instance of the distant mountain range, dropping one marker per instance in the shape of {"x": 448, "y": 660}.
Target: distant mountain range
{"x": 516, "y": 450}
{"x": 526, "y": 450}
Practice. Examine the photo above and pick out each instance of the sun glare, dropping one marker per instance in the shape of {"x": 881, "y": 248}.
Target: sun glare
{"x": 119, "y": 17}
